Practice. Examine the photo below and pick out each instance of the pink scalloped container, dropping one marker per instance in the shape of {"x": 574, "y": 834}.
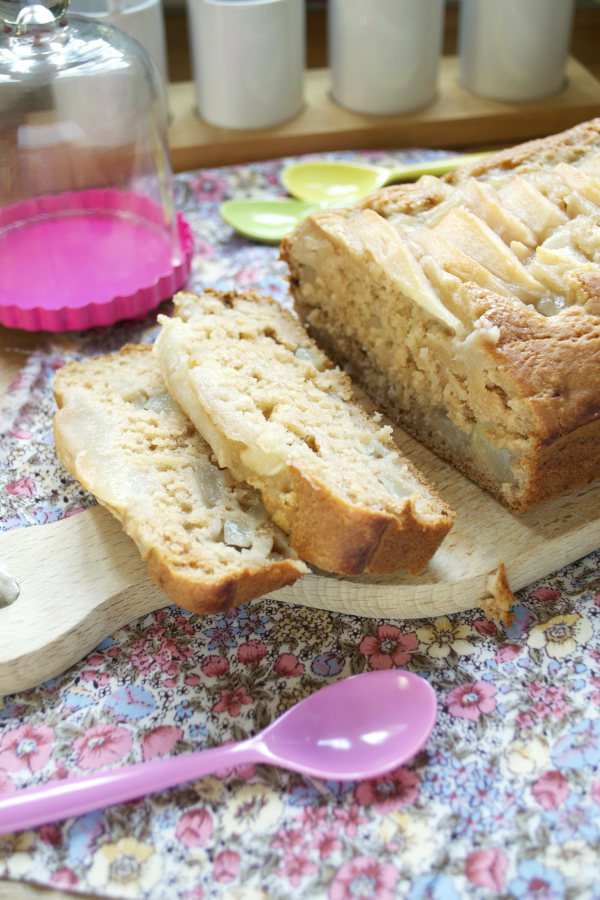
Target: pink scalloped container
{"x": 82, "y": 259}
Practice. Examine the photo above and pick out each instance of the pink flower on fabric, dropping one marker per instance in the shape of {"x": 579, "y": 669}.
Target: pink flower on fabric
{"x": 192, "y": 680}
{"x": 471, "y": 700}
{"x": 597, "y": 598}
{"x": 287, "y": 665}
{"x": 540, "y": 709}
{"x": 484, "y": 626}
{"x": 21, "y": 487}
{"x": 196, "y": 893}
{"x": 312, "y": 817}
{"x": 160, "y": 741}
{"x": 251, "y": 653}
{"x": 551, "y": 790}
{"x": 214, "y": 666}
{"x": 390, "y": 647}
{"x": 204, "y": 249}
{"x": 73, "y": 512}
{"x": 6, "y": 785}
{"x": 60, "y": 772}
{"x": 232, "y": 701}
{"x": 51, "y": 834}
{"x": 247, "y": 276}
{"x": 296, "y": 866}
{"x": 26, "y": 747}
{"x": 226, "y": 865}
{"x": 194, "y": 828}
{"x": 487, "y": 868}
{"x": 524, "y": 720}
{"x": 22, "y": 435}
{"x": 96, "y": 660}
{"x": 327, "y": 842}
{"x": 507, "y": 652}
{"x": 102, "y": 745}
{"x": 97, "y": 677}
{"x": 545, "y": 594}
{"x": 389, "y": 792}
{"x": 288, "y": 840}
{"x": 350, "y": 819}
{"x": 209, "y": 186}
{"x": 364, "y": 877}
{"x": 535, "y": 688}
{"x": 64, "y": 877}
{"x": 596, "y": 792}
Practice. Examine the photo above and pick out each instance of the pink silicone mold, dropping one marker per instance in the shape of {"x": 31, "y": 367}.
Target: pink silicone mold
{"x": 90, "y": 258}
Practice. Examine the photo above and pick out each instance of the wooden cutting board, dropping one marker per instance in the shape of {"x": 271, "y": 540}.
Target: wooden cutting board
{"x": 82, "y": 578}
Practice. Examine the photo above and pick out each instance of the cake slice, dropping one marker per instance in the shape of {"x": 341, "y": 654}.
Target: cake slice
{"x": 208, "y": 539}
{"x": 469, "y": 309}
{"x": 280, "y": 417}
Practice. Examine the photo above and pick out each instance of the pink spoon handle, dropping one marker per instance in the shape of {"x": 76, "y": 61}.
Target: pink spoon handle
{"x": 58, "y": 800}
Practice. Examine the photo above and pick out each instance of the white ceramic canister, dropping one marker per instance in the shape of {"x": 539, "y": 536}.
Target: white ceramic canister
{"x": 514, "y": 49}
{"x": 384, "y": 54}
{"x": 142, "y": 19}
{"x": 248, "y": 59}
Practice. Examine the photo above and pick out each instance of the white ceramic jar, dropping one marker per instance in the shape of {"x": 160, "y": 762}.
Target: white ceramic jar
{"x": 142, "y": 19}
{"x": 384, "y": 54}
{"x": 514, "y": 49}
{"x": 248, "y": 58}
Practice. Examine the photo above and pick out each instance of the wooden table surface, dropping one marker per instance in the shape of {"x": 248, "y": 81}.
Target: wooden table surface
{"x": 15, "y": 345}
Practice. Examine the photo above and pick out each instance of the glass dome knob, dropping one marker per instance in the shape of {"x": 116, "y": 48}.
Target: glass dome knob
{"x": 21, "y": 16}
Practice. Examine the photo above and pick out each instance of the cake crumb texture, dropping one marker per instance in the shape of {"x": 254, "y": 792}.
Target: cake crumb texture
{"x": 469, "y": 309}
{"x": 281, "y": 417}
{"x": 208, "y": 539}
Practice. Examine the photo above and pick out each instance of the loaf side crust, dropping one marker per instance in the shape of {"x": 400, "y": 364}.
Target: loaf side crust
{"x": 531, "y": 380}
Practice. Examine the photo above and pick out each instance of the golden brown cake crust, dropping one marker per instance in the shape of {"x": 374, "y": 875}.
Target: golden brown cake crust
{"x": 498, "y": 605}
{"x": 332, "y": 521}
{"x": 163, "y": 513}
{"x": 546, "y": 367}
{"x": 567, "y": 146}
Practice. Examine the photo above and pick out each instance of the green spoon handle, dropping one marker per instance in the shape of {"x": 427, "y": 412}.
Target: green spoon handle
{"x": 437, "y": 167}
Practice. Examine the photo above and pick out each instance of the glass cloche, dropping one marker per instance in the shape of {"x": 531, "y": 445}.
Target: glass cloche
{"x": 88, "y": 231}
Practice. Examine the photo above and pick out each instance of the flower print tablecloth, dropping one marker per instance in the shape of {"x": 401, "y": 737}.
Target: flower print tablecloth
{"x": 503, "y": 801}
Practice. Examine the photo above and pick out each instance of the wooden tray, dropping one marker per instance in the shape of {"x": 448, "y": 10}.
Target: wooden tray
{"x": 82, "y": 578}
{"x": 456, "y": 118}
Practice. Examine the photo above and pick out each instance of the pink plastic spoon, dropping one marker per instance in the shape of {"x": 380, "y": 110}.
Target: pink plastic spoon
{"x": 357, "y": 728}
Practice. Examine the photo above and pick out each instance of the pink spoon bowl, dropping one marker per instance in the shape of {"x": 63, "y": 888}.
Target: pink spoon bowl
{"x": 77, "y": 260}
{"x": 358, "y": 728}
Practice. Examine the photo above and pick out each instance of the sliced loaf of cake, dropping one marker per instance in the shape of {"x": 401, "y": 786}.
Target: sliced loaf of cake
{"x": 280, "y": 417}
{"x": 208, "y": 539}
{"x": 469, "y": 308}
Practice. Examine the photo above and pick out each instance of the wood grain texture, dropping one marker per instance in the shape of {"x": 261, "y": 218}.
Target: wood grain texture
{"x": 23, "y": 890}
{"x": 82, "y": 578}
{"x": 456, "y": 118}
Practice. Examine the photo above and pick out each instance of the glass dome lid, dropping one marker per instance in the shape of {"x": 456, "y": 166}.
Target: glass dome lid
{"x": 88, "y": 231}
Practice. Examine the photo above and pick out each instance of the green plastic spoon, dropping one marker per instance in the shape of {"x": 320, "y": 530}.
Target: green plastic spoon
{"x": 265, "y": 220}
{"x": 343, "y": 183}
{"x": 318, "y": 186}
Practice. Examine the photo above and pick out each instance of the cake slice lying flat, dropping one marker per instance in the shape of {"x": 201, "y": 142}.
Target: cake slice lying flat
{"x": 277, "y": 415}
{"x": 208, "y": 539}
{"x": 469, "y": 308}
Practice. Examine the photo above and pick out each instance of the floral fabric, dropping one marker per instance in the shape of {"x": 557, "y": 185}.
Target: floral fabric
{"x": 503, "y": 801}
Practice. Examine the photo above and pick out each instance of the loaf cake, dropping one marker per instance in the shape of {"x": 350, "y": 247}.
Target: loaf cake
{"x": 208, "y": 539}
{"x": 469, "y": 309}
{"x": 281, "y": 418}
